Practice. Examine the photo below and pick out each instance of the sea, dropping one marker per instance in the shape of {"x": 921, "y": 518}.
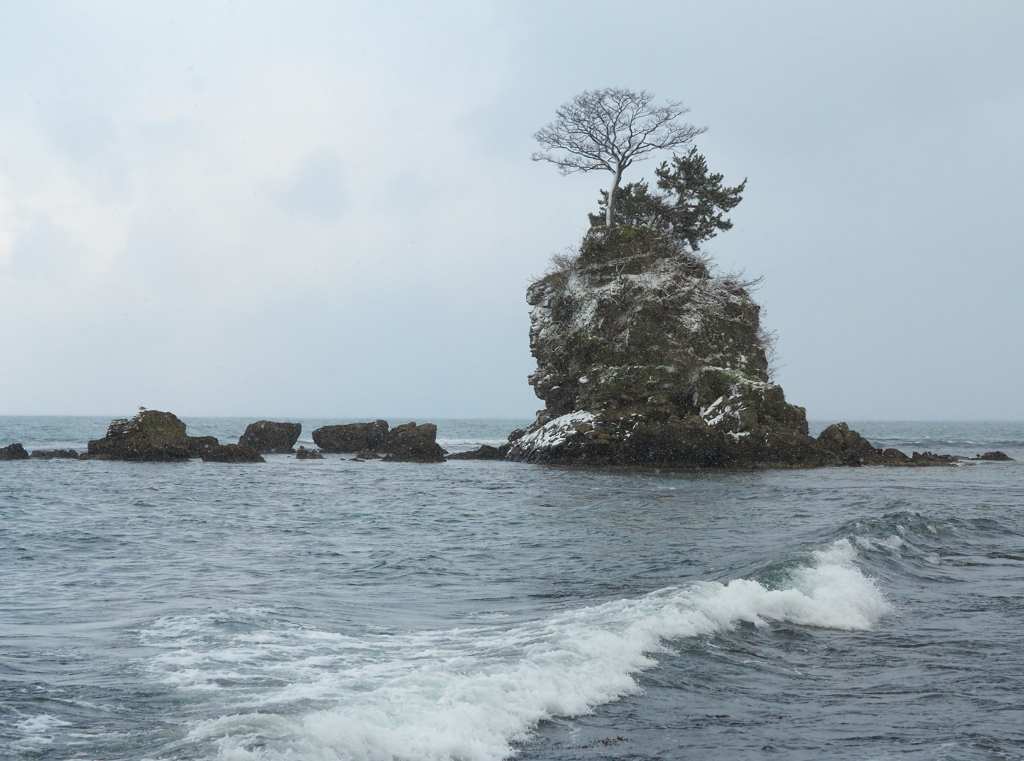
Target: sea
{"x": 335, "y": 609}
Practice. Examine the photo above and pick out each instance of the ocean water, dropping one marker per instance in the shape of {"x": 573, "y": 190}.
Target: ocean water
{"x": 323, "y": 610}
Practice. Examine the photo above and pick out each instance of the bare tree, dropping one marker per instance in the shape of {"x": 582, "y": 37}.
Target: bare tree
{"x": 610, "y": 129}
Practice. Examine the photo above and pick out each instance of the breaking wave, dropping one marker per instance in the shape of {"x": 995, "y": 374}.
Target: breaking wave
{"x": 473, "y": 693}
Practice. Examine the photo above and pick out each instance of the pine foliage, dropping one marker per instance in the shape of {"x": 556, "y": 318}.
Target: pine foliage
{"x": 690, "y": 207}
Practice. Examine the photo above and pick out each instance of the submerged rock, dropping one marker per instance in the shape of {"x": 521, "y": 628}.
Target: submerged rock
{"x": 307, "y": 454}
{"x": 353, "y": 437}
{"x": 268, "y": 437}
{"x": 13, "y": 452}
{"x": 54, "y": 454}
{"x": 930, "y": 458}
{"x": 231, "y": 453}
{"x": 150, "y": 436}
{"x": 484, "y": 452}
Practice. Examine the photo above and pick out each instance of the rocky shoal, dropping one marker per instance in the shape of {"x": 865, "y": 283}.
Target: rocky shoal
{"x": 155, "y": 436}
{"x": 572, "y": 439}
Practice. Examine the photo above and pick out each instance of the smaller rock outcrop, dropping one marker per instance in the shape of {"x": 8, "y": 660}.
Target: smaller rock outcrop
{"x": 895, "y": 457}
{"x": 413, "y": 443}
{"x": 353, "y": 437}
{"x": 54, "y": 454}
{"x": 150, "y": 436}
{"x": 231, "y": 453}
{"x": 485, "y": 452}
{"x": 930, "y": 458}
{"x": 307, "y": 454}
{"x": 850, "y": 447}
{"x": 996, "y": 456}
{"x": 268, "y": 437}
{"x": 13, "y": 452}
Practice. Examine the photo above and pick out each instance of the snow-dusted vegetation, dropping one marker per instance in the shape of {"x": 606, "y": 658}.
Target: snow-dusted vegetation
{"x": 636, "y": 331}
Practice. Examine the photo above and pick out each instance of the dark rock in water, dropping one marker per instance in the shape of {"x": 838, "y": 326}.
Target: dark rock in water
{"x": 413, "y": 443}
{"x": 930, "y": 458}
{"x": 483, "y": 453}
{"x": 13, "y": 452}
{"x": 689, "y": 442}
{"x": 895, "y": 457}
{"x": 150, "y": 436}
{"x": 231, "y": 453}
{"x": 353, "y": 437}
{"x": 367, "y": 454}
{"x": 399, "y": 429}
{"x": 646, "y": 357}
{"x": 197, "y": 445}
{"x": 54, "y": 454}
{"x": 307, "y": 454}
{"x": 268, "y": 437}
{"x": 996, "y": 456}
{"x": 781, "y": 448}
{"x": 849, "y": 446}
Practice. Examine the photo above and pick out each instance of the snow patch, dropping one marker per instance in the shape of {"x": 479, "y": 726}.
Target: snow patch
{"x": 550, "y": 435}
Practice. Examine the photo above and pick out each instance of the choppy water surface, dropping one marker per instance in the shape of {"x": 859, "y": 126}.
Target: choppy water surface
{"x": 478, "y": 610}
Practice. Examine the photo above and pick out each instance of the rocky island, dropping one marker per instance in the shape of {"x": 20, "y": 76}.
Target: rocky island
{"x": 647, "y": 356}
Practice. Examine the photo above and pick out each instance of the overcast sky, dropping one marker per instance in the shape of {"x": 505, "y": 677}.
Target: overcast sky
{"x": 328, "y": 209}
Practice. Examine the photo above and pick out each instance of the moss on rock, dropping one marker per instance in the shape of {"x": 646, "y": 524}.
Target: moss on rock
{"x": 667, "y": 363}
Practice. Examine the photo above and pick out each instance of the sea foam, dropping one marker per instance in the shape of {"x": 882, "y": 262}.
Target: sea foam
{"x": 471, "y": 694}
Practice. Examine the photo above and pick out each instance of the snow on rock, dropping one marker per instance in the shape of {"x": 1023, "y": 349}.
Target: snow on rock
{"x": 550, "y": 436}
{"x": 658, "y": 356}
{"x": 647, "y": 356}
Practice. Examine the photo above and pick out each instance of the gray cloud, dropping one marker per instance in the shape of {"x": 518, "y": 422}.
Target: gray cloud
{"x": 323, "y": 197}
{"x": 316, "y": 186}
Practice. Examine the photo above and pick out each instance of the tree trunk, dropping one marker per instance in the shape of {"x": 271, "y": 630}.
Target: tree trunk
{"x": 611, "y": 197}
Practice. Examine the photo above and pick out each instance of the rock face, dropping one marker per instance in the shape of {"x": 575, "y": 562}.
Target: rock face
{"x": 231, "y": 453}
{"x": 645, "y": 357}
{"x": 413, "y": 443}
{"x": 150, "y": 436}
{"x": 268, "y": 437}
{"x": 197, "y": 445}
{"x": 13, "y": 452}
{"x": 354, "y": 437}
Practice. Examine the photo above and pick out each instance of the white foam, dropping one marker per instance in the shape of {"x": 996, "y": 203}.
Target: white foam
{"x": 470, "y": 694}
{"x": 37, "y": 731}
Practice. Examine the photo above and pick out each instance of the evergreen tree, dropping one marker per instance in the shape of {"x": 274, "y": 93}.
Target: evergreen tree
{"x": 691, "y": 207}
